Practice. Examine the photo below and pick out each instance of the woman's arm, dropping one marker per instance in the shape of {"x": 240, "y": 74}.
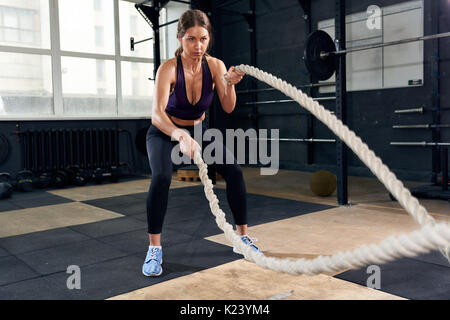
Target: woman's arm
{"x": 225, "y": 90}
{"x": 160, "y": 100}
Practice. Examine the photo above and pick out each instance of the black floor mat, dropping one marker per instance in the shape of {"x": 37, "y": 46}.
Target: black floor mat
{"x": 33, "y": 199}
{"x": 187, "y": 204}
{"x": 110, "y": 253}
{"x": 425, "y": 277}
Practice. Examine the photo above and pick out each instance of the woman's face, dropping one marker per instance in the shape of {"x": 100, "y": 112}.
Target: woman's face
{"x": 195, "y": 41}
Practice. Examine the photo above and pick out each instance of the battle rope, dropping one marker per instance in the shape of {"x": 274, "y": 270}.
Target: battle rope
{"x": 431, "y": 236}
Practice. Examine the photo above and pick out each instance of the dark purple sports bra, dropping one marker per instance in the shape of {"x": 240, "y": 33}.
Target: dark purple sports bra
{"x": 179, "y": 105}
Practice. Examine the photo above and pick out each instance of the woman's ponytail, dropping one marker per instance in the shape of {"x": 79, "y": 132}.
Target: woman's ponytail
{"x": 178, "y": 51}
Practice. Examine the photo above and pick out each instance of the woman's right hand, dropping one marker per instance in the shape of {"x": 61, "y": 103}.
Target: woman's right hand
{"x": 188, "y": 145}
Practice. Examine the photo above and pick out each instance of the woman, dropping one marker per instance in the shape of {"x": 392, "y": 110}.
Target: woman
{"x": 183, "y": 91}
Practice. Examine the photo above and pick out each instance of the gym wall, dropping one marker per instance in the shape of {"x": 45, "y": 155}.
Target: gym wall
{"x": 280, "y": 34}
{"x": 280, "y": 30}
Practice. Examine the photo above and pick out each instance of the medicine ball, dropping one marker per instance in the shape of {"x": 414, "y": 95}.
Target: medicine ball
{"x": 322, "y": 183}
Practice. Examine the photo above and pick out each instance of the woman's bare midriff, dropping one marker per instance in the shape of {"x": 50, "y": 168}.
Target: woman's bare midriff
{"x": 183, "y": 122}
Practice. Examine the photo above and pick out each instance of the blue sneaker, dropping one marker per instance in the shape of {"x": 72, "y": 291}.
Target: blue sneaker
{"x": 248, "y": 241}
{"x": 152, "y": 265}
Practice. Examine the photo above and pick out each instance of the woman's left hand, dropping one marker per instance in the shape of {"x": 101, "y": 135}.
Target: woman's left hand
{"x": 233, "y": 76}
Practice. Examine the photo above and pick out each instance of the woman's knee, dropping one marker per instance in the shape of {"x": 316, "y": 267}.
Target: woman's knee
{"x": 161, "y": 179}
{"x": 233, "y": 171}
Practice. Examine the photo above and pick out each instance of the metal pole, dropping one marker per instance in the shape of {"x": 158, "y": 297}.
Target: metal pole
{"x": 435, "y": 133}
{"x": 306, "y": 5}
{"x": 156, "y": 47}
{"x": 341, "y": 103}
{"x": 253, "y": 55}
{"x": 413, "y": 110}
{"x": 278, "y": 114}
{"x": 167, "y": 23}
{"x": 284, "y": 101}
{"x": 295, "y": 139}
{"x": 444, "y": 168}
{"x": 420, "y": 110}
{"x": 181, "y": 1}
{"x": 420, "y": 144}
{"x": 381, "y": 45}
{"x": 136, "y": 42}
{"x": 217, "y": 52}
{"x": 311, "y": 85}
{"x": 421, "y": 126}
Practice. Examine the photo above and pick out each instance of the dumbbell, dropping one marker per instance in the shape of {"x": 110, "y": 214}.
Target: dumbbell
{"x": 78, "y": 176}
{"x": 6, "y": 189}
{"x": 43, "y": 180}
{"x": 24, "y": 181}
{"x": 60, "y": 179}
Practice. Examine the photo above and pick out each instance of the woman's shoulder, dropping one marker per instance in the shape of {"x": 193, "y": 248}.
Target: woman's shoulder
{"x": 214, "y": 63}
{"x": 170, "y": 64}
{"x": 168, "y": 69}
{"x": 212, "y": 60}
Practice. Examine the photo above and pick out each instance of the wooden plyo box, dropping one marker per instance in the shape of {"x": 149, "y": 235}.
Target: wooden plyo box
{"x": 190, "y": 174}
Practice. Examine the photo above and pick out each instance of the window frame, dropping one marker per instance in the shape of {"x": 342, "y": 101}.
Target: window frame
{"x": 387, "y": 10}
{"x": 56, "y": 53}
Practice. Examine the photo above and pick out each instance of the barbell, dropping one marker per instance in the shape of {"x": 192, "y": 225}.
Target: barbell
{"x": 321, "y": 52}
{"x": 421, "y": 144}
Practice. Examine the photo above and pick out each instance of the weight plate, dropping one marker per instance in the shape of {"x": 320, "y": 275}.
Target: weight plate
{"x": 320, "y": 68}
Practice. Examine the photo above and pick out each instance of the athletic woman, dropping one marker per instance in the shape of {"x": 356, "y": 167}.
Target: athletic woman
{"x": 183, "y": 92}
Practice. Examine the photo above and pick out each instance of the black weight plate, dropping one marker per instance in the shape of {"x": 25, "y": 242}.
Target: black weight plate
{"x": 25, "y": 181}
{"x": 44, "y": 180}
{"x": 60, "y": 179}
{"x": 86, "y": 175}
{"x": 320, "y": 68}
{"x": 98, "y": 175}
{"x": 4, "y": 177}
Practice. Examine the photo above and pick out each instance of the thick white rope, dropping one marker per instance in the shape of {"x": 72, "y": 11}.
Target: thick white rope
{"x": 431, "y": 236}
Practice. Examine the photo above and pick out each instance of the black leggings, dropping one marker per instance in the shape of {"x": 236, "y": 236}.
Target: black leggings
{"x": 159, "y": 149}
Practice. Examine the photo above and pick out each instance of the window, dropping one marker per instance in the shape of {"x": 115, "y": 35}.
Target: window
{"x": 386, "y": 67}
{"x": 83, "y": 92}
{"x": 132, "y": 24}
{"x": 26, "y": 83}
{"x": 137, "y": 89}
{"x": 98, "y": 36}
{"x": 97, "y": 5}
{"x": 77, "y": 75}
{"x": 172, "y": 11}
{"x": 80, "y": 25}
{"x": 19, "y": 26}
{"x": 100, "y": 70}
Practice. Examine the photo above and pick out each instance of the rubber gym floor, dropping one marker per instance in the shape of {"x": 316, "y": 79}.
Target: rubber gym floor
{"x": 102, "y": 230}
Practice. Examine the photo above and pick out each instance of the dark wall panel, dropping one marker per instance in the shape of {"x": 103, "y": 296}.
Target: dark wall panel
{"x": 280, "y": 32}
{"x": 129, "y": 152}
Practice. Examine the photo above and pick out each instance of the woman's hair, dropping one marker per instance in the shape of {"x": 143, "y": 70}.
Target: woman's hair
{"x": 192, "y": 18}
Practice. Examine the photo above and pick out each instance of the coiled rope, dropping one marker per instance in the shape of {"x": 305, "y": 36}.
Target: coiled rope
{"x": 431, "y": 236}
